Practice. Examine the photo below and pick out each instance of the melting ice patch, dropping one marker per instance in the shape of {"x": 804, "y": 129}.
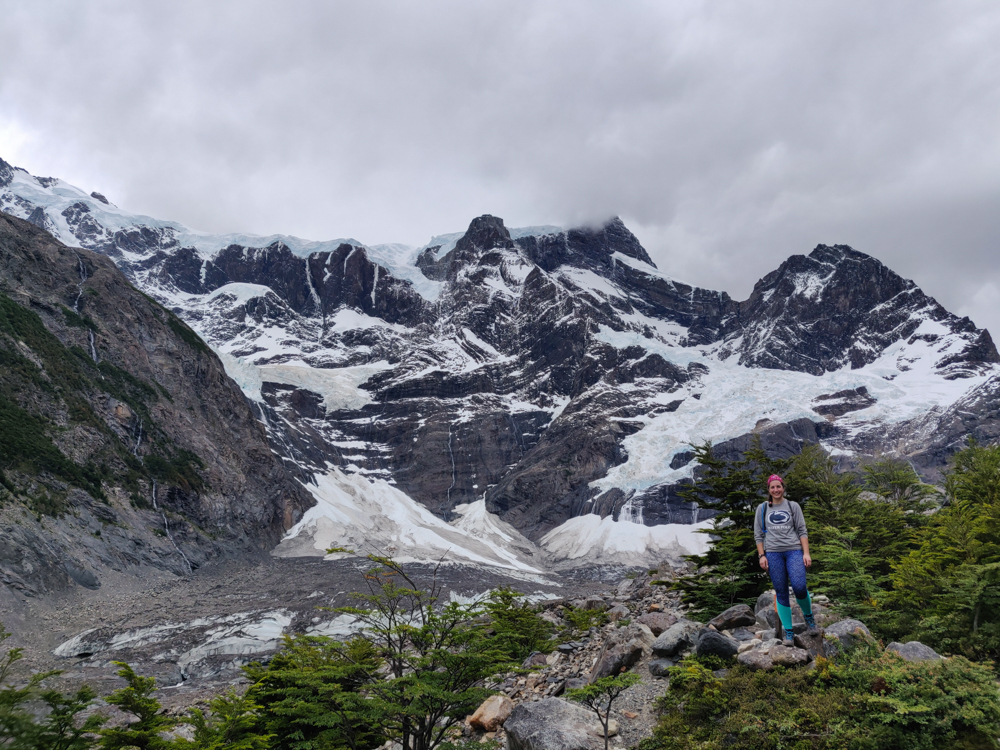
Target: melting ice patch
{"x": 370, "y": 515}
{"x": 593, "y": 539}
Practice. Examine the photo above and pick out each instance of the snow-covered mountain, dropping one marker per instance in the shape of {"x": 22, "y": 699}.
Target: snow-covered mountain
{"x": 552, "y": 377}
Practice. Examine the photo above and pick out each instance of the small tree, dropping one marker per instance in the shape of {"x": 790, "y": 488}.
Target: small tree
{"x": 437, "y": 657}
{"x": 309, "y": 694}
{"x": 600, "y": 696}
{"x": 137, "y": 699}
{"x": 232, "y": 724}
{"x": 517, "y": 628}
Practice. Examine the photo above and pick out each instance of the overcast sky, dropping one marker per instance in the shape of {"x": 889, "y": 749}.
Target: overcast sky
{"x": 728, "y": 135}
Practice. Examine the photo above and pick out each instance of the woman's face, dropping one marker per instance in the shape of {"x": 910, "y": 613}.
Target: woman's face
{"x": 776, "y": 490}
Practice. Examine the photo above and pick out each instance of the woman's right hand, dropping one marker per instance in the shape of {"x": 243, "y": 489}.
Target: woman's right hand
{"x": 763, "y": 561}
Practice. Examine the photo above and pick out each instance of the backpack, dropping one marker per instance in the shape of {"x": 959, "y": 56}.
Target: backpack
{"x": 763, "y": 516}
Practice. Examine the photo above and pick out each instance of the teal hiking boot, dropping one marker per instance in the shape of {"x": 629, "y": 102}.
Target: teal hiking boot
{"x": 811, "y": 621}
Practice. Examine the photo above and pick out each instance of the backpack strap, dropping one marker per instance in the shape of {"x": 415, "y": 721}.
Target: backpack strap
{"x": 763, "y": 516}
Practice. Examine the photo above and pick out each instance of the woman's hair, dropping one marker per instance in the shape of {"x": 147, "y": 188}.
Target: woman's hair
{"x": 773, "y": 477}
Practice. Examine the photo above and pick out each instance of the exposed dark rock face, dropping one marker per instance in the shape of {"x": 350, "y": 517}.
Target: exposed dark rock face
{"x": 119, "y": 407}
{"x": 838, "y": 307}
{"x": 542, "y": 367}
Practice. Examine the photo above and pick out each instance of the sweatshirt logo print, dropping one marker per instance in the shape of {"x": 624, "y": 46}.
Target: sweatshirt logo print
{"x": 778, "y": 517}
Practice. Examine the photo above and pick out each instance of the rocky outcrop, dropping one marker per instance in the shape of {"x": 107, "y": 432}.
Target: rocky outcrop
{"x": 134, "y": 447}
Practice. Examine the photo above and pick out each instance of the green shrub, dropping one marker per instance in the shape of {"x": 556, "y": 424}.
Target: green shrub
{"x": 517, "y": 628}
{"x": 869, "y": 701}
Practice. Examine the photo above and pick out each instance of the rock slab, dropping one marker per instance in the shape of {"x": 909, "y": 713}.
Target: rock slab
{"x": 738, "y": 616}
{"x": 553, "y": 724}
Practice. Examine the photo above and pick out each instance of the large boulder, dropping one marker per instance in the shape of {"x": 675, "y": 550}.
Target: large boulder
{"x": 616, "y": 658}
{"x": 914, "y": 651}
{"x": 553, "y": 724}
{"x": 738, "y": 616}
{"x": 714, "y": 643}
{"x": 656, "y": 621}
{"x": 846, "y": 631}
{"x": 491, "y": 715}
{"x": 678, "y": 637}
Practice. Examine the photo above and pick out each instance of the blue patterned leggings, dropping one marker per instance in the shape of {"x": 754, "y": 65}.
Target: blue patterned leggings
{"x": 785, "y": 568}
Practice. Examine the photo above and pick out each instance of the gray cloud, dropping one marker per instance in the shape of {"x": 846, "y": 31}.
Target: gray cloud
{"x": 729, "y": 135}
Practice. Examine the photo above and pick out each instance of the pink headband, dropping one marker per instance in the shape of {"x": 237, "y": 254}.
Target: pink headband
{"x": 773, "y": 477}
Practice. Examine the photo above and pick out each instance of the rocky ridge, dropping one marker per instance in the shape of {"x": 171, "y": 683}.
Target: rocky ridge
{"x": 125, "y": 446}
{"x": 549, "y": 374}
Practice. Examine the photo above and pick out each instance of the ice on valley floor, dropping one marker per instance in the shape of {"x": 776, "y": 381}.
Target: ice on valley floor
{"x": 371, "y": 516}
{"x": 592, "y": 539}
{"x": 368, "y": 515}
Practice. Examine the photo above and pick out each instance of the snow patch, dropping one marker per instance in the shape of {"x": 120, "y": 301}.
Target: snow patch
{"x": 593, "y": 539}
{"x": 370, "y": 515}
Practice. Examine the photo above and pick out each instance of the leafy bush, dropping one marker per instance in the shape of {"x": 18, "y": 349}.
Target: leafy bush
{"x": 517, "y": 629}
{"x": 868, "y": 701}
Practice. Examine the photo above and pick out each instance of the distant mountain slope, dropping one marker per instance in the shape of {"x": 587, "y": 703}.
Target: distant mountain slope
{"x": 548, "y": 373}
{"x": 122, "y": 442}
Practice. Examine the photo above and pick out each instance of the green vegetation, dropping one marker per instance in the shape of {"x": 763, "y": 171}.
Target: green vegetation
{"x": 78, "y": 321}
{"x": 25, "y": 445}
{"x": 517, "y": 629}
{"x": 42, "y": 382}
{"x": 869, "y": 700}
{"x": 180, "y": 470}
{"x": 186, "y": 335}
{"x": 583, "y": 619}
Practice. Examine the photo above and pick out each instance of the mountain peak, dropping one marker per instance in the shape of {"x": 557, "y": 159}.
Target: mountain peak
{"x": 485, "y": 233}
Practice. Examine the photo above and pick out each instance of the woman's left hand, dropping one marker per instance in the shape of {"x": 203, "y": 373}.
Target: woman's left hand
{"x": 807, "y": 559}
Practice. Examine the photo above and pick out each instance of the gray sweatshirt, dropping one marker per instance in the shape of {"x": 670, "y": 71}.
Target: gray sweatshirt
{"x": 785, "y": 524}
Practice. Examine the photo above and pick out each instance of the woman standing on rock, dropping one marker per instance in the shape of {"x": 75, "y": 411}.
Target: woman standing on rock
{"x": 783, "y": 548}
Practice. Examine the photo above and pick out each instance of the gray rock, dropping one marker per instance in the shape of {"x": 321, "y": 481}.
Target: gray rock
{"x": 537, "y": 659}
{"x": 617, "y": 612}
{"x": 813, "y": 642}
{"x": 742, "y": 634}
{"x": 661, "y": 667}
{"x": 846, "y": 631}
{"x": 914, "y": 651}
{"x": 756, "y": 659}
{"x": 714, "y": 643}
{"x": 788, "y": 657}
{"x": 553, "y": 724}
{"x": 574, "y": 683}
{"x": 677, "y": 637}
{"x": 595, "y": 603}
{"x": 734, "y": 617}
{"x": 617, "y": 659}
{"x": 656, "y": 621}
